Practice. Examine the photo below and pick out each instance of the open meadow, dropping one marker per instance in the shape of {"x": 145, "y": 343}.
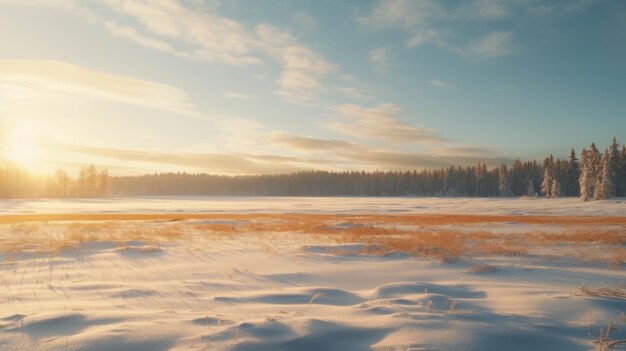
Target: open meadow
{"x": 312, "y": 274}
{"x": 284, "y": 175}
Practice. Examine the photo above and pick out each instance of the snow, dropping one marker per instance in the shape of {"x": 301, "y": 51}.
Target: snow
{"x": 254, "y": 293}
{"x": 398, "y": 205}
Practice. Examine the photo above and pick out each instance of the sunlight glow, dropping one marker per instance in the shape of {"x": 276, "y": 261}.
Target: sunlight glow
{"x": 22, "y": 144}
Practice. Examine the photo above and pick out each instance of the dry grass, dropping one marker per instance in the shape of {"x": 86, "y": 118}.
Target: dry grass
{"x": 605, "y": 342}
{"x": 51, "y": 237}
{"x": 417, "y": 219}
{"x": 616, "y": 293}
{"x": 443, "y": 237}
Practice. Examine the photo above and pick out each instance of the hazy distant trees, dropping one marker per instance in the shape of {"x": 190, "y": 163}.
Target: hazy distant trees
{"x": 61, "y": 185}
{"x": 588, "y": 178}
{"x": 17, "y": 183}
{"x": 594, "y": 176}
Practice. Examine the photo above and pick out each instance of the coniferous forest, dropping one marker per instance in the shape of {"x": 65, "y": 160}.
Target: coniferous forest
{"x": 592, "y": 174}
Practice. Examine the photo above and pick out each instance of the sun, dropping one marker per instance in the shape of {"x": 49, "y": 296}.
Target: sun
{"x": 22, "y": 147}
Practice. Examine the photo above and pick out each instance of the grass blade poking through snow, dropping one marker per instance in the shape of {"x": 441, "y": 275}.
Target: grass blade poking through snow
{"x": 605, "y": 342}
{"x": 452, "y": 306}
{"x": 236, "y": 334}
{"x": 314, "y": 298}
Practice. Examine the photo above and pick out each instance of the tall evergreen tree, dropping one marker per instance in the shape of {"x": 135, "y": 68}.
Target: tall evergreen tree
{"x": 594, "y": 159}
{"x": 585, "y": 176}
{"x": 516, "y": 178}
{"x": 614, "y": 167}
{"x": 555, "y": 190}
{"x": 622, "y": 171}
{"x": 504, "y": 189}
{"x": 604, "y": 184}
{"x": 546, "y": 185}
{"x": 570, "y": 186}
{"x": 449, "y": 182}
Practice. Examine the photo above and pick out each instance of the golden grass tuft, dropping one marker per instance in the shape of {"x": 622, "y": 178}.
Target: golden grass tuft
{"x": 441, "y": 237}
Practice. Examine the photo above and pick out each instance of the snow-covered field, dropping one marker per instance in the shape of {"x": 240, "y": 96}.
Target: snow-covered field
{"x": 399, "y": 205}
{"x": 310, "y": 281}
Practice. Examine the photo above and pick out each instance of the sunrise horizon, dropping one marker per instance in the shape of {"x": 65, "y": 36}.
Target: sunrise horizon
{"x": 272, "y": 89}
{"x": 289, "y": 175}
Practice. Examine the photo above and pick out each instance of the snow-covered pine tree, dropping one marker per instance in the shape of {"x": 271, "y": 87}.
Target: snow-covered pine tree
{"x": 594, "y": 164}
{"x": 504, "y": 189}
{"x": 604, "y": 185}
{"x": 555, "y": 191}
{"x": 584, "y": 180}
{"x": 546, "y": 185}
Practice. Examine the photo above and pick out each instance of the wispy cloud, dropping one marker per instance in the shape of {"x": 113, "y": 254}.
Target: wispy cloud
{"x": 215, "y": 38}
{"x": 304, "y": 20}
{"x": 132, "y": 34}
{"x": 211, "y": 37}
{"x": 300, "y": 80}
{"x": 475, "y": 152}
{"x": 354, "y": 93}
{"x": 441, "y": 85}
{"x": 240, "y": 134}
{"x": 222, "y": 163}
{"x": 422, "y": 37}
{"x": 234, "y": 95}
{"x": 416, "y": 17}
{"x": 405, "y": 13}
{"x": 311, "y": 144}
{"x": 195, "y": 31}
{"x": 381, "y": 122}
{"x": 484, "y": 9}
{"x": 494, "y": 44}
{"x": 378, "y": 58}
{"x": 360, "y": 156}
{"x": 428, "y": 21}
{"x": 59, "y": 76}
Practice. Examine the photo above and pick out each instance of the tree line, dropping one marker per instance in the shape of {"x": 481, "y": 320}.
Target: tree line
{"x": 597, "y": 175}
{"x": 17, "y": 183}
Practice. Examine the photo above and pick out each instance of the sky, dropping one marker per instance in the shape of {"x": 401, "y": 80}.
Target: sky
{"x": 271, "y": 86}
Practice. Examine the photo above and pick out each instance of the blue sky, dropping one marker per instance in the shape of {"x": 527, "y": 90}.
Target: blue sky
{"x": 240, "y": 87}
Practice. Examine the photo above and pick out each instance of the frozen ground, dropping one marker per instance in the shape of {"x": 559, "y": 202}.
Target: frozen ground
{"x": 399, "y": 205}
{"x": 227, "y": 290}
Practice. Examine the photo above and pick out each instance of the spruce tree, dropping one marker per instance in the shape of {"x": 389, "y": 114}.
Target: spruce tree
{"x": 516, "y": 178}
{"x": 504, "y": 189}
{"x": 604, "y": 185}
{"x": 622, "y": 171}
{"x": 584, "y": 181}
{"x": 546, "y": 185}
{"x": 556, "y": 189}
{"x": 594, "y": 159}
{"x": 572, "y": 174}
{"x": 449, "y": 182}
{"x": 614, "y": 167}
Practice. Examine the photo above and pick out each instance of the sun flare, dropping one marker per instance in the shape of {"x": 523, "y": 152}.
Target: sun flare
{"x": 22, "y": 144}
